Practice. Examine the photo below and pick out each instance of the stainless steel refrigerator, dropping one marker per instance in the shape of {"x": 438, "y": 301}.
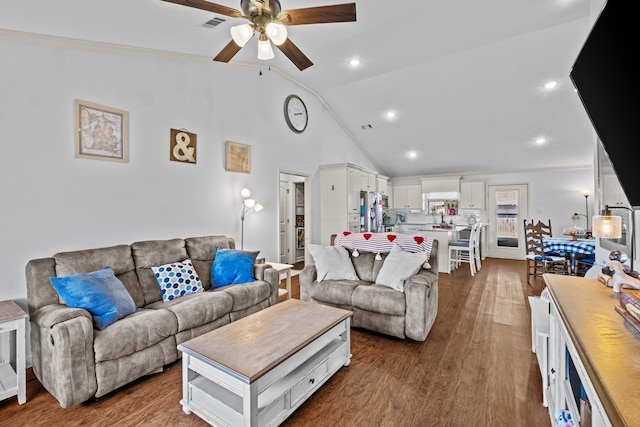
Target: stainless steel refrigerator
{"x": 372, "y": 206}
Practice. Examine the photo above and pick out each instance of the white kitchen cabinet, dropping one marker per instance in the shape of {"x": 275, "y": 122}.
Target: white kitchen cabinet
{"x": 472, "y": 195}
{"x": 354, "y": 184}
{"x": 407, "y": 196}
{"x": 381, "y": 185}
{"x": 612, "y": 193}
{"x": 340, "y": 187}
{"x": 441, "y": 185}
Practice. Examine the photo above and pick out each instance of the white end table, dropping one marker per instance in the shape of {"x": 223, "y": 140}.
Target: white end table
{"x": 286, "y": 269}
{"x": 12, "y": 382}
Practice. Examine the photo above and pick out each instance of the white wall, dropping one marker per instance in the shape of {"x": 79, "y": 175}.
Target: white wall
{"x": 54, "y": 202}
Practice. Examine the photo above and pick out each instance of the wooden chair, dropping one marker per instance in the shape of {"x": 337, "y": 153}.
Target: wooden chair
{"x": 545, "y": 229}
{"x": 538, "y": 262}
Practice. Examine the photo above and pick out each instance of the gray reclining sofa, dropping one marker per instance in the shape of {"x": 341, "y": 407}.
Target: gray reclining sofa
{"x": 75, "y": 361}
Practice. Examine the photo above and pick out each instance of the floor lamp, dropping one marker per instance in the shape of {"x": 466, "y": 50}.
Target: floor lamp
{"x": 247, "y": 205}
{"x": 610, "y": 226}
{"x": 586, "y": 194}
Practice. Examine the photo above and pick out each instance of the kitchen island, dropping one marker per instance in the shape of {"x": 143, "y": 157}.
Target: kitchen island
{"x": 442, "y": 235}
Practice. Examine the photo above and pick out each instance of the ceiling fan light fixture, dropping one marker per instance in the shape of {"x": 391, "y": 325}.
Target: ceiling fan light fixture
{"x": 241, "y": 34}
{"x": 265, "y": 51}
{"x": 277, "y": 32}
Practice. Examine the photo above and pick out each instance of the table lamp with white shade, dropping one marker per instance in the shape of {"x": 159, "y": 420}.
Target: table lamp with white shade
{"x": 609, "y": 226}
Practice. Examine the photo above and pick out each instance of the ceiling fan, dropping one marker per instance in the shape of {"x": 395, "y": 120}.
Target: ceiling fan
{"x": 269, "y": 21}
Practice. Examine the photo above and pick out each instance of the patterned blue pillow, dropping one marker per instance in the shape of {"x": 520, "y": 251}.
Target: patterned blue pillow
{"x": 177, "y": 279}
{"x": 232, "y": 267}
{"x": 99, "y": 292}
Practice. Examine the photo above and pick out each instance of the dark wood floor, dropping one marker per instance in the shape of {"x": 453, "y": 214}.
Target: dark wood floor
{"x": 475, "y": 369}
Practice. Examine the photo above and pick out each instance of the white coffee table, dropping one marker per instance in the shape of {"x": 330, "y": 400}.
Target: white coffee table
{"x": 283, "y": 268}
{"x": 257, "y": 370}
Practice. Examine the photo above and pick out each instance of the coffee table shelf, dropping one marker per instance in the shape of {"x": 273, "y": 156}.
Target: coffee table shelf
{"x": 243, "y": 392}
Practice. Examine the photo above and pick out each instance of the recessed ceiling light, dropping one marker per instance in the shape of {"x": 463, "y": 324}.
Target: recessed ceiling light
{"x": 354, "y": 62}
{"x": 541, "y": 141}
{"x": 390, "y": 114}
{"x": 550, "y": 84}
{"x": 412, "y": 154}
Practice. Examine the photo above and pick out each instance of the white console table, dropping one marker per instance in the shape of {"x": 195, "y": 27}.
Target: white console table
{"x": 12, "y": 342}
{"x": 585, "y": 329}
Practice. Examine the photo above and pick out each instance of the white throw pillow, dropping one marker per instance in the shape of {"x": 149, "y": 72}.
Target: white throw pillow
{"x": 398, "y": 266}
{"x": 332, "y": 263}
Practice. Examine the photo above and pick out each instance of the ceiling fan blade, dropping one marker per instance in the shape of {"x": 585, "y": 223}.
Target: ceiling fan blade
{"x": 295, "y": 55}
{"x": 227, "y": 52}
{"x": 208, "y": 6}
{"x": 320, "y": 14}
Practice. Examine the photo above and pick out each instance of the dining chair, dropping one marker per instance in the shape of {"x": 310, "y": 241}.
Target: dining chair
{"x": 545, "y": 229}
{"x": 539, "y": 262}
{"x": 465, "y": 250}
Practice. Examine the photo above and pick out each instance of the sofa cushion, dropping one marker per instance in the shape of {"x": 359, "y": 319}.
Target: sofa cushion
{"x": 119, "y": 258}
{"x": 99, "y": 292}
{"x": 367, "y": 266}
{"x": 232, "y": 267}
{"x": 193, "y": 311}
{"x": 335, "y": 292}
{"x": 332, "y": 263}
{"x": 379, "y": 299}
{"x": 247, "y": 295}
{"x": 202, "y": 251}
{"x": 398, "y": 266}
{"x": 177, "y": 279}
{"x": 151, "y": 253}
{"x": 134, "y": 333}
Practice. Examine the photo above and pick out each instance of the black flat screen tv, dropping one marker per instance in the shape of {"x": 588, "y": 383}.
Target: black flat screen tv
{"x": 606, "y": 79}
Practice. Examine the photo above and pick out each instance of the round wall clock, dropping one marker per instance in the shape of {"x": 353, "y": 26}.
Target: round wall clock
{"x": 295, "y": 113}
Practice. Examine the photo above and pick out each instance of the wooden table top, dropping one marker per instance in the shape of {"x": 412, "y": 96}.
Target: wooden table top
{"x": 608, "y": 347}
{"x": 9, "y": 310}
{"x": 253, "y": 345}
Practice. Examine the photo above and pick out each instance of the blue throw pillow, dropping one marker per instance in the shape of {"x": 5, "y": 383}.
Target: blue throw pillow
{"x": 177, "y": 279}
{"x": 99, "y": 292}
{"x": 231, "y": 267}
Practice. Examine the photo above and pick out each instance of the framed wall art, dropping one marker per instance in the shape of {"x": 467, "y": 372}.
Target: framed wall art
{"x": 238, "y": 157}
{"x": 101, "y": 132}
{"x": 182, "y": 146}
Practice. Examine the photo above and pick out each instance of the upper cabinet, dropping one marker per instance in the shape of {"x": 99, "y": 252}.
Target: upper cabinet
{"x": 381, "y": 184}
{"x": 441, "y": 185}
{"x": 472, "y": 195}
{"x": 407, "y": 196}
{"x": 612, "y": 193}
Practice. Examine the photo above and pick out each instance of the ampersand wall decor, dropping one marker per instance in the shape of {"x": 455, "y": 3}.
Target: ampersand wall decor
{"x": 183, "y": 146}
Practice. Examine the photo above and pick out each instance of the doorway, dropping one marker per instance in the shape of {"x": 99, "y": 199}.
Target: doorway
{"x": 293, "y": 217}
{"x": 508, "y": 207}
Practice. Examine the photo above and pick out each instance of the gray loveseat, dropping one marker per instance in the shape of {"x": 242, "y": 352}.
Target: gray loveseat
{"x": 75, "y": 361}
{"x": 408, "y": 314}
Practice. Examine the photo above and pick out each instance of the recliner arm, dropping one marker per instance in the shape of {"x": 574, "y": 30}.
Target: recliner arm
{"x": 62, "y": 352}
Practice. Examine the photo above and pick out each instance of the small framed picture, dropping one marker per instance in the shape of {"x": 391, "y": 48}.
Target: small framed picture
{"x": 300, "y": 237}
{"x": 183, "y": 146}
{"x": 238, "y": 157}
{"x": 299, "y": 195}
{"x": 101, "y": 132}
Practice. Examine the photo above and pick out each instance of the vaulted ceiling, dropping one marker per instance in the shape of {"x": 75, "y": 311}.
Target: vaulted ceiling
{"x": 464, "y": 77}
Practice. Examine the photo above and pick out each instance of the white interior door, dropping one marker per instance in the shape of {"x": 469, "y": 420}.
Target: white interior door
{"x": 508, "y": 207}
{"x": 283, "y": 222}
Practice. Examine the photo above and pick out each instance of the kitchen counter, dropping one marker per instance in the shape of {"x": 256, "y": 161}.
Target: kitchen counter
{"x": 442, "y": 235}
